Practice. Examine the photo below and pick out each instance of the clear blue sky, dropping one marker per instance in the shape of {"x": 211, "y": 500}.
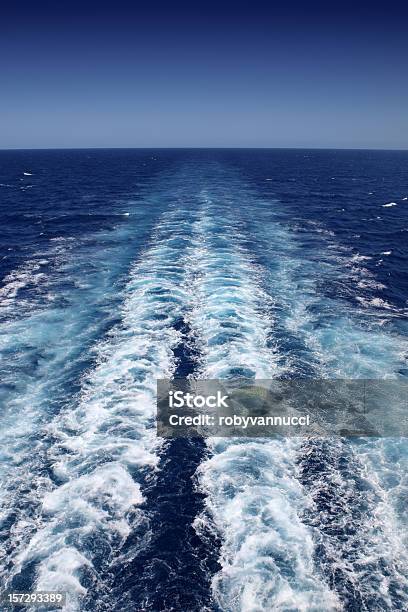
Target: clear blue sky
{"x": 121, "y": 74}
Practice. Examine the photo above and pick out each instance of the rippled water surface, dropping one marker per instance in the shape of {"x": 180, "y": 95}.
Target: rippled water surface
{"x": 120, "y": 267}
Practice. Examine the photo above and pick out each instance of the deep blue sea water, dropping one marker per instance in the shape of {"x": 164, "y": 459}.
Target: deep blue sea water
{"x": 119, "y": 267}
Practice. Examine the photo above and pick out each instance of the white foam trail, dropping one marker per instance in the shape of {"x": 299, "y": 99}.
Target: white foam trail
{"x": 104, "y": 440}
{"x": 340, "y": 342}
{"x": 28, "y": 274}
{"x": 85, "y": 507}
{"x": 232, "y": 311}
{"x": 40, "y": 342}
{"x": 345, "y": 342}
{"x": 347, "y": 350}
{"x": 256, "y": 502}
{"x": 253, "y": 496}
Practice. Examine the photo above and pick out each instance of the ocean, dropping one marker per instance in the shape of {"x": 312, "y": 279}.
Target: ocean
{"x": 120, "y": 267}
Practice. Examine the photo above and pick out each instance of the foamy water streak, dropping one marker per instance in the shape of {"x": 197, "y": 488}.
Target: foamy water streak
{"x": 104, "y": 443}
{"x": 46, "y": 333}
{"x": 366, "y": 500}
{"x": 254, "y": 498}
{"x": 45, "y": 330}
{"x": 358, "y": 490}
{"x": 335, "y": 340}
{"x": 232, "y": 312}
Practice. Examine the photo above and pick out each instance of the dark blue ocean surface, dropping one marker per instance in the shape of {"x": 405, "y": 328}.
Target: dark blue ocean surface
{"x": 119, "y": 267}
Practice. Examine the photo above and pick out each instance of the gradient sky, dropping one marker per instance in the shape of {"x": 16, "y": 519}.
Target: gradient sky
{"x": 229, "y": 74}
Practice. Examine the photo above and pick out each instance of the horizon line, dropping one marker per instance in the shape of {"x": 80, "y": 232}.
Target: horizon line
{"x": 197, "y": 148}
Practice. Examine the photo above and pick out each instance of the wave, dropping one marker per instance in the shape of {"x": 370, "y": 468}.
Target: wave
{"x": 261, "y": 496}
{"x": 302, "y": 524}
{"x": 102, "y": 443}
{"x": 356, "y": 504}
{"x": 253, "y": 497}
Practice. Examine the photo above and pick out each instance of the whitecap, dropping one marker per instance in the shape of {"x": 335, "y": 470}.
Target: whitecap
{"x": 358, "y": 257}
{"x": 105, "y": 439}
{"x": 253, "y": 497}
{"x": 376, "y": 302}
{"x": 370, "y": 283}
